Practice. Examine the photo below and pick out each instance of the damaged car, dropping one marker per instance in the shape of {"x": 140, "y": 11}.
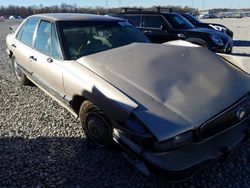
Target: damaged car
{"x": 173, "y": 108}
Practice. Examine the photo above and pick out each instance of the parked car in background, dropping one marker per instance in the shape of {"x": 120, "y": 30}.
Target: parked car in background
{"x": 161, "y": 27}
{"x": 197, "y": 23}
{"x": 2, "y": 18}
{"x": 174, "y": 108}
{"x": 12, "y": 17}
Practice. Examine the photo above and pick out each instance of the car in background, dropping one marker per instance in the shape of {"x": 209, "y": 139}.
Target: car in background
{"x": 173, "y": 108}
{"x": 197, "y": 23}
{"x": 12, "y": 17}
{"x": 161, "y": 27}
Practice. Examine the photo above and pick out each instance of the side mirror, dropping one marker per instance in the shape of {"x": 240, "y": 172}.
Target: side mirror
{"x": 13, "y": 29}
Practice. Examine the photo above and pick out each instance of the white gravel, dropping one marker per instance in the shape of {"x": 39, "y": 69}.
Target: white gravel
{"x": 42, "y": 145}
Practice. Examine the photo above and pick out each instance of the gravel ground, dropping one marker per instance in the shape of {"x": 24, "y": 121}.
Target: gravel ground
{"x": 42, "y": 145}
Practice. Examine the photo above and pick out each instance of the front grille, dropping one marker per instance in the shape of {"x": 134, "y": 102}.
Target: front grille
{"x": 227, "y": 119}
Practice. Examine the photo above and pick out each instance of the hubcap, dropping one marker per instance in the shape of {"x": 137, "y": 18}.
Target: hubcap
{"x": 17, "y": 70}
{"x": 98, "y": 129}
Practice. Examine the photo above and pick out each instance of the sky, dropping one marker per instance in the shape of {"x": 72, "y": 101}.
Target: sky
{"x": 200, "y": 4}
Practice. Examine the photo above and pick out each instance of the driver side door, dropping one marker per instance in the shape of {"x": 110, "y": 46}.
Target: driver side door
{"x": 46, "y": 59}
{"x": 153, "y": 24}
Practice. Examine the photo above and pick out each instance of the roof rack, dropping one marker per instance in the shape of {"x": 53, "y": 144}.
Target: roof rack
{"x": 159, "y": 9}
{"x": 126, "y": 9}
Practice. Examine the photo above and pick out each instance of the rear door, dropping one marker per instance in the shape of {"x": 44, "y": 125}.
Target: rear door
{"x": 22, "y": 44}
{"x": 46, "y": 59}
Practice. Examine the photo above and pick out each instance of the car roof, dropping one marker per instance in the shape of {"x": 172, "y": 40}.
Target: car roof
{"x": 76, "y": 17}
{"x": 147, "y": 12}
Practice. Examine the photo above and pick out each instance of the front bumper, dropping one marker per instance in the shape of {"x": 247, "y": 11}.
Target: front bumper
{"x": 229, "y": 33}
{"x": 182, "y": 163}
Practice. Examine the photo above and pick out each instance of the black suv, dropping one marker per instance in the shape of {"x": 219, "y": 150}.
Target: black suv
{"x": 197, "y": 23}
{"x": 161, "y": 27}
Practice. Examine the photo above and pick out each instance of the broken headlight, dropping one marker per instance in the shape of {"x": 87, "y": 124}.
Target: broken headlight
{"x": 174, "y": 142}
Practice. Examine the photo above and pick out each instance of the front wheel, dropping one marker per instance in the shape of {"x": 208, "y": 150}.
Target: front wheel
{"x": 95, "y": 125}
{"x": 21, "y": 77}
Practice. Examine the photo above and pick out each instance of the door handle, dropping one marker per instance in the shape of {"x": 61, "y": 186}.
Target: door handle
{"x": 33, "y": 58}
{"x": 181, "y": 36}
{"x": 147, "y": 31}
{"x": 49, "y": 60}
{"x": 13, "y": 45}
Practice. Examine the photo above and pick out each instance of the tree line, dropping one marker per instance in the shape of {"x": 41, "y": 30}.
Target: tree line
{"x": 66, "y": 8}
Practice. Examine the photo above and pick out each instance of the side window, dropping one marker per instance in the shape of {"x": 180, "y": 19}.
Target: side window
{"x": 25, "y": 33}
{"x": 56, "y": 52}
{"x": 155, "y": 21}
{"x": 43, "y": 38}
{"x": 189, "y": 19}
{"x": 134, "y": 19}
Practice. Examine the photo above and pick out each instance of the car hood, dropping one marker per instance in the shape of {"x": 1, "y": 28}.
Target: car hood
{"x": 220, "y": 25}
{"x": 177, "y": 87}
{"x": 207, "y": 32}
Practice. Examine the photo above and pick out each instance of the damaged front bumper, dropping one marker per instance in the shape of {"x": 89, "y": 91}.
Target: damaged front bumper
{"x": 180, "y": 164}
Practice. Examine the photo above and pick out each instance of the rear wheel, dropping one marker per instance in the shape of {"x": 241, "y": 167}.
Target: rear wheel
{"x": 21, "y": 77}
{"x": 95, "y": 125}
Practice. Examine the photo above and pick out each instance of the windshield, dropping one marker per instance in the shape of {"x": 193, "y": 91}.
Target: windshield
{"x": 178, "y": 22}
{"x": 82, "y": 38}
{"x": 193, "y": 18}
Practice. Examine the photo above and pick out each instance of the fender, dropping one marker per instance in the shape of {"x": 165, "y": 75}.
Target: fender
{"x": 88, "y": 85}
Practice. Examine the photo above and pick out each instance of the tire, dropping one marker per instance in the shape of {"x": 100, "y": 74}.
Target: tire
{"x": 21, "y": 77}
{"x": 95, "y": 125}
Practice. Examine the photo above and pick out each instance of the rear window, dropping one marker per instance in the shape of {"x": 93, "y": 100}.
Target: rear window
{"x": 25, "y": 33}
{"x": 154, "y": 21}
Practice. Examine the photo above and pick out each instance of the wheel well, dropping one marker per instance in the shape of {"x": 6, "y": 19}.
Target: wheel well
{"x": 76, "y": 103}
{"x": 11, "y": 55}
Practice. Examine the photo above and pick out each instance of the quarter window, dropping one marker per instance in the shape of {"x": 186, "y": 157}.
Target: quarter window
{"x": 154, "y": 21}
{"x": 25, "y": 33}
{"x": 43, "y": 38}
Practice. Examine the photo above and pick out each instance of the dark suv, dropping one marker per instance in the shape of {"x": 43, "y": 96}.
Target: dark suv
{"x": 161, "y": 27}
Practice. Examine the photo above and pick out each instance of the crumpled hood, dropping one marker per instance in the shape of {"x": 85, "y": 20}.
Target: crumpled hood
{"x": 177, "y": 88}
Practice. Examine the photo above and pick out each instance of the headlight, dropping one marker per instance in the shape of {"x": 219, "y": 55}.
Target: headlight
{"x": 175, "y": 142}
{"x": 217, "y": 40}
{"x": 137, "y": 132}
